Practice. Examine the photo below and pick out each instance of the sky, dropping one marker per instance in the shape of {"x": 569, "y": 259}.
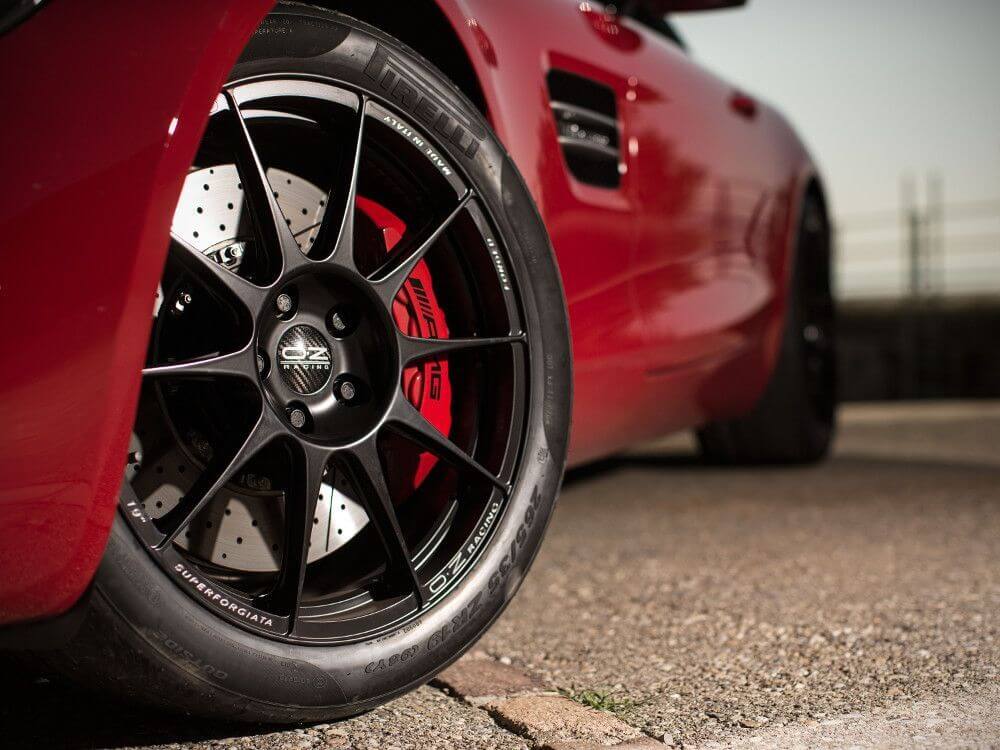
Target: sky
{"x": 877, "y": 88}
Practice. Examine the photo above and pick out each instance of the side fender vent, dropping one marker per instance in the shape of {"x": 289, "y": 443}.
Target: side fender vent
{"x": 587, "y": 124}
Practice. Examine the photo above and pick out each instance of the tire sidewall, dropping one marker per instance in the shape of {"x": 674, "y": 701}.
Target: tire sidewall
{"x": 200, "y": 647}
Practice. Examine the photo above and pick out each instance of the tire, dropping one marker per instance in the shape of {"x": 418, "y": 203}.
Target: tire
{"x": 795, "y": 419}
{"x": 148, "y": 638}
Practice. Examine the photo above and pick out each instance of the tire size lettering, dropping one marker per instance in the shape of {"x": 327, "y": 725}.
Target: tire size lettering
{"x": 508, "y": 561}
{"x": 178, "y": 650}
{"x": 458, "y": 622}
{"x": 382, "y": 664}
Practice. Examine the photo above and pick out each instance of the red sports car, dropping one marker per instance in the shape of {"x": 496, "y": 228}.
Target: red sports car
{"x": 290, "y": 296}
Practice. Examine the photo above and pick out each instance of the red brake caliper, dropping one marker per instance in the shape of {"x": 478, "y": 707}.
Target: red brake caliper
{"x": 417, "y": 313}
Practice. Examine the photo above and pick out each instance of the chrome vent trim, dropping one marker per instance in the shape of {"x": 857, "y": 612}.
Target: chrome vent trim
{"x": 586, "y": 119}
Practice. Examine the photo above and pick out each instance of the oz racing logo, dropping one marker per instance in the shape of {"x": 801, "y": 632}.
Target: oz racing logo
{"x": 305, "y": 356}
{"x": 304, "y": 359}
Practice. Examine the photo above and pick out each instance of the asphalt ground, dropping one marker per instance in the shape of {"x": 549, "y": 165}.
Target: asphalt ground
{"x": 854, "y": 603}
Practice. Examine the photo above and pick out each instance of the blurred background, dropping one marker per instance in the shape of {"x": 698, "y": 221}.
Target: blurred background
{"x": 899, "y": 103}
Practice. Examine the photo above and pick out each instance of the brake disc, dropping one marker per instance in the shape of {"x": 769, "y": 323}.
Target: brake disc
{"x": 210, "y": 214}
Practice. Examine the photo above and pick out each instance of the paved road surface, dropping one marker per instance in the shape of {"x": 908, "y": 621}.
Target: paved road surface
{"x": 852, "y": 603}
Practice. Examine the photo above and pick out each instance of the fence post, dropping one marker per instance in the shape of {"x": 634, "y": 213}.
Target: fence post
{"x": 933, "y": 239}
{"x": 908, "y": 345}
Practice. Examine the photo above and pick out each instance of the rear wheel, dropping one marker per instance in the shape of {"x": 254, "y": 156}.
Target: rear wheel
{"x": 353, "y": 420}
{"x": 795, "y": 419}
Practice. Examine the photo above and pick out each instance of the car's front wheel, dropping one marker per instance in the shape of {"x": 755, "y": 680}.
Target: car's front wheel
{"x": 354, "y": 413}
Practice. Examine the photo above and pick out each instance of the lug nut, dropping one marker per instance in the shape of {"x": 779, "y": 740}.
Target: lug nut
{"x": 261, "y": 363}
{"x": 135, "y": 457}
{"x": 337, "y": 322}
{"x": 350, "y": 391}
{"x": 347, "y": 390}
{"x": 298, "y": 418}
{"x": 284, "y": 303}
{"x": 341, "y": 321}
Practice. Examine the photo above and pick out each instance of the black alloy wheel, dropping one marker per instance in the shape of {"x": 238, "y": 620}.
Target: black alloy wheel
{"x": 353, "y": 416}
{"x": 325, "y": 396}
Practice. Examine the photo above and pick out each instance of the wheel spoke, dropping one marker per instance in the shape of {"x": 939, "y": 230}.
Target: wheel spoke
{"x": 215, "y": 277}
{"x": 405, "y": 419}
{"x": 272, "y": 226}
{"x": 342, "y": 222}
{"x": 215, "y": 477}
{"x": 242, "y": 364}
{"x": 364, "y": 469}
{"x": 389, "y": 277}
{"x": 413, "y": 349}
{"x": 300, "y": 507}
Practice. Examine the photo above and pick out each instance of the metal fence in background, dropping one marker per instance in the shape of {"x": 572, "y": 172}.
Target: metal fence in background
{"x": 936, "y": 249}
{"x": 920, "y": 299}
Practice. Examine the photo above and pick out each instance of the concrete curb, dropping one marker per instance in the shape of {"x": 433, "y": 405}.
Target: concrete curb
{"x": 522, "y": 704}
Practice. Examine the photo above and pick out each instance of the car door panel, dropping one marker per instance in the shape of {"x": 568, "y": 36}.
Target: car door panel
{"x": 699, "y": 193}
